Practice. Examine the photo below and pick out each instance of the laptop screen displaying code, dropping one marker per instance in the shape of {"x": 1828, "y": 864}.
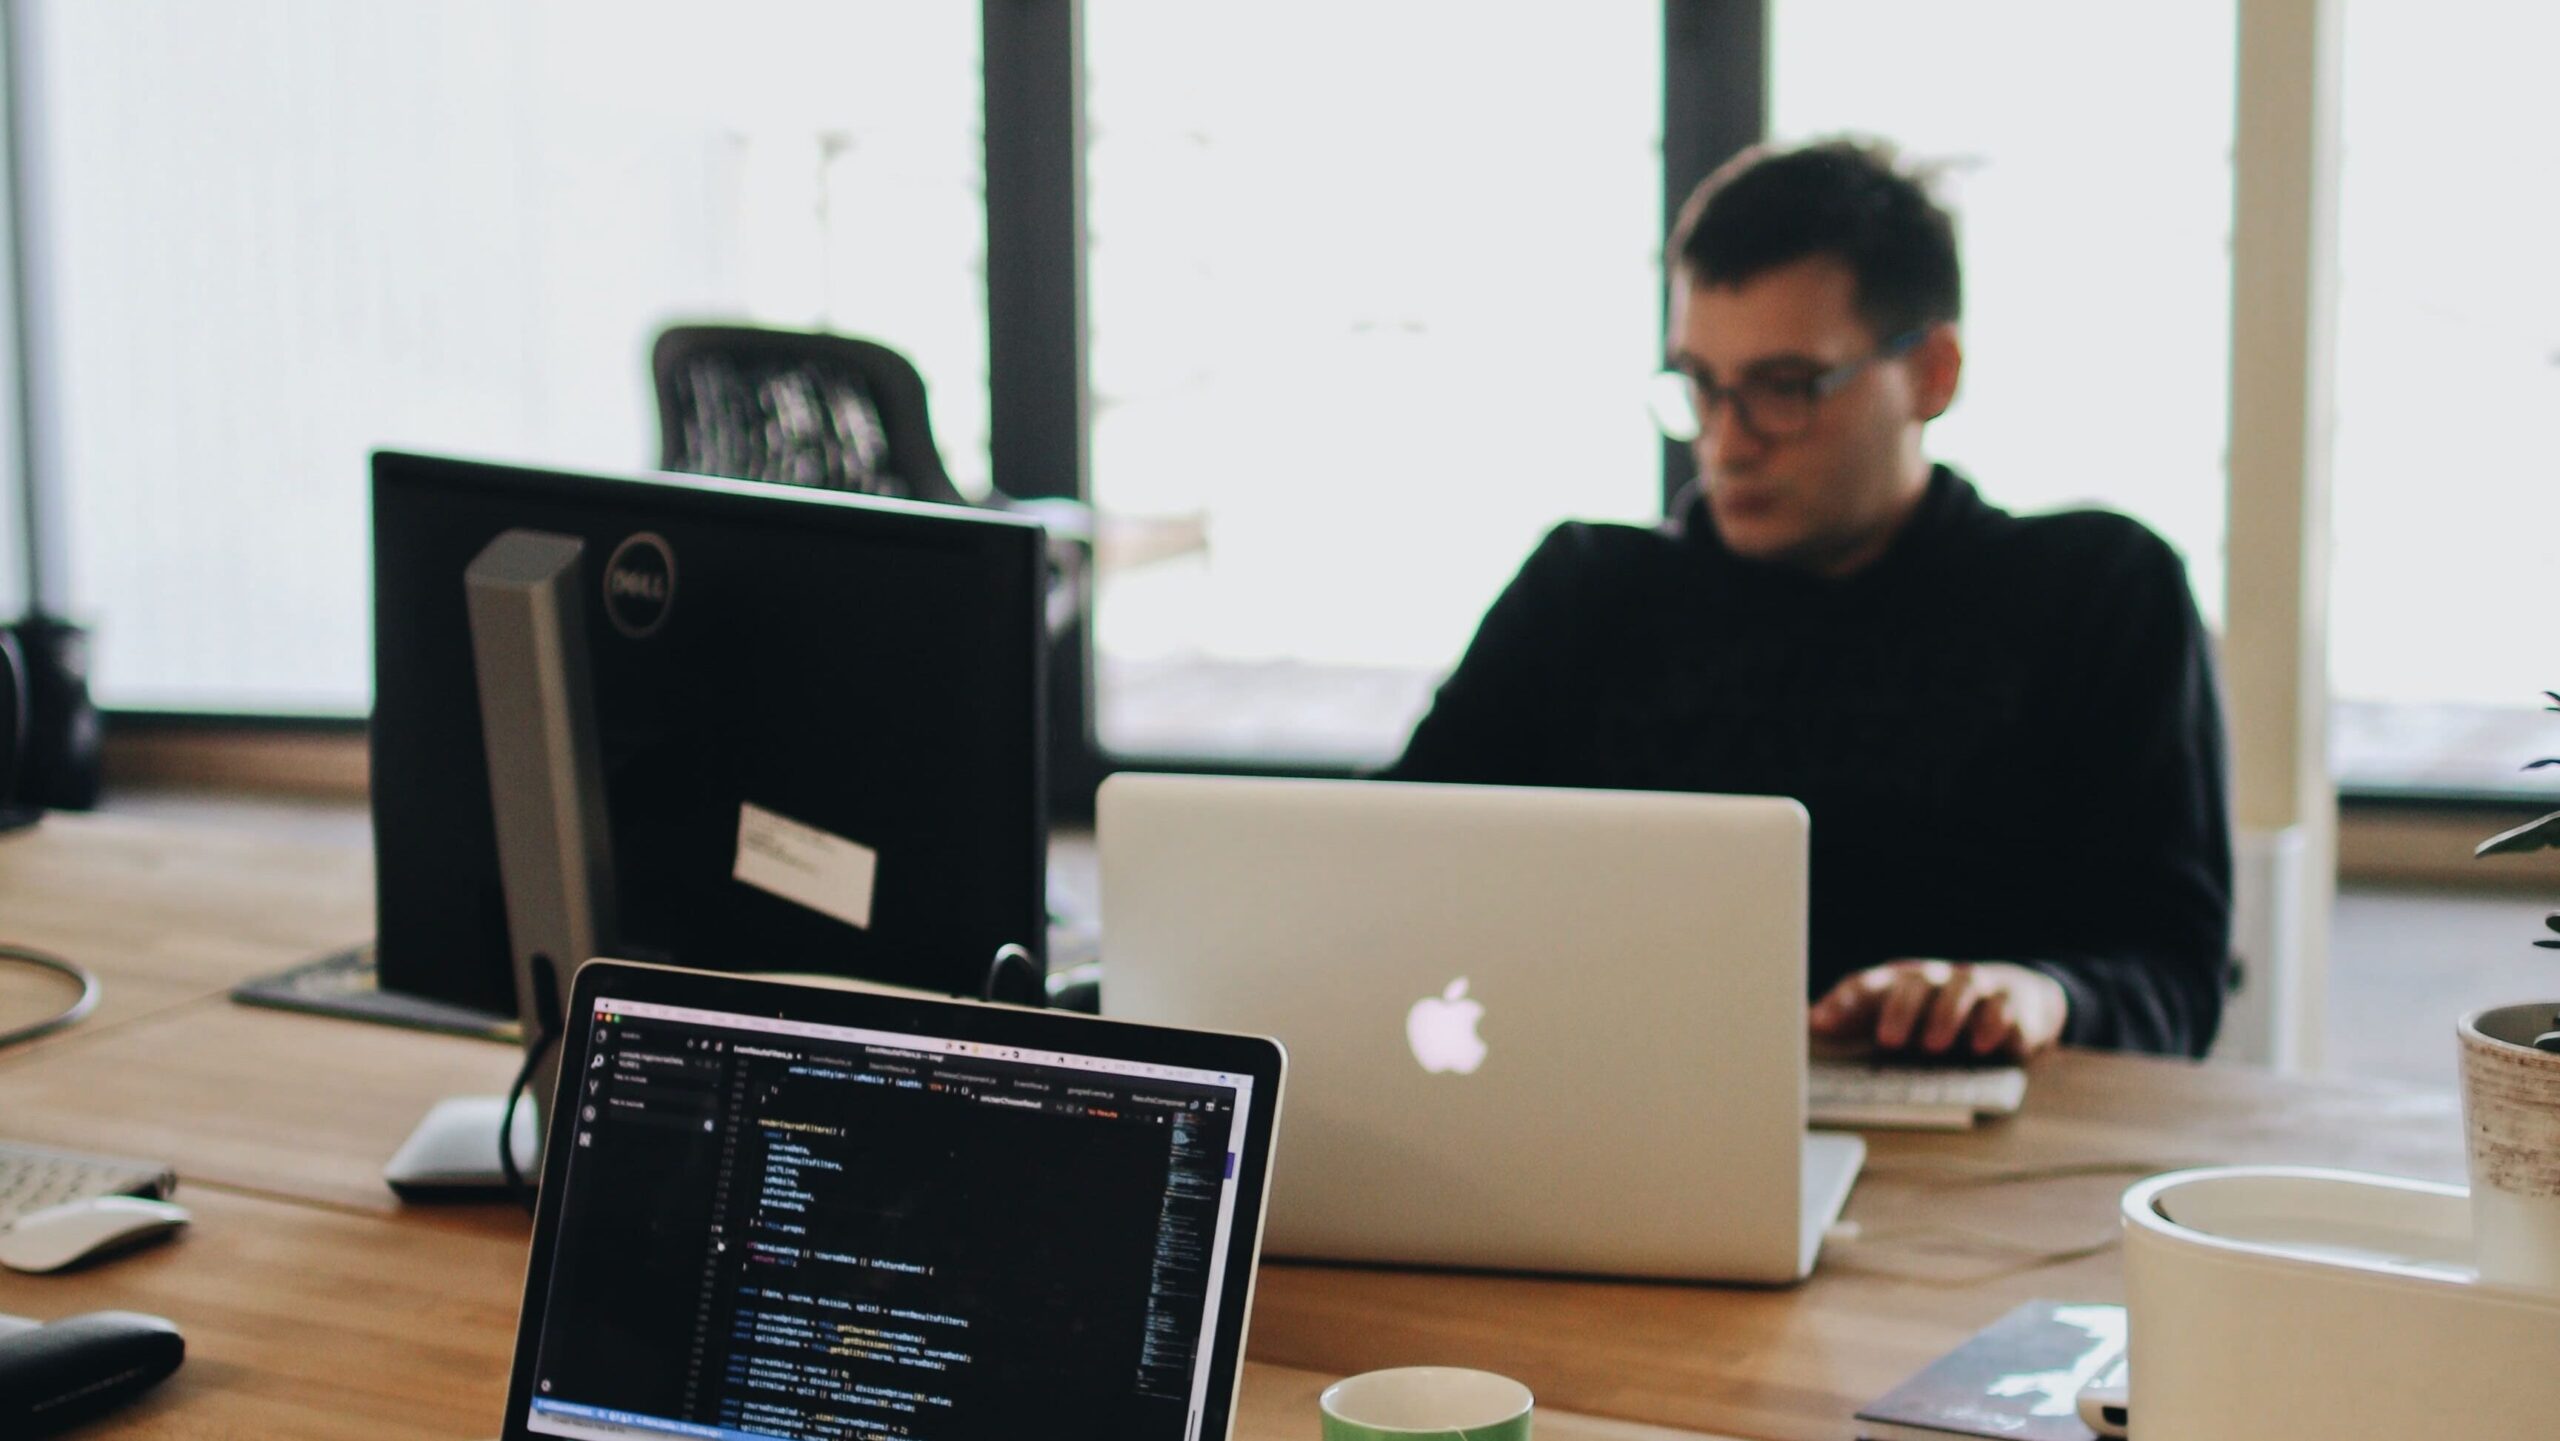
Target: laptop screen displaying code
{"x": 771, "y": 1228}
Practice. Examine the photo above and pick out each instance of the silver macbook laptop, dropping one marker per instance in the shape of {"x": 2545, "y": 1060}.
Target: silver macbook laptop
{"x": 774, "y": 1210}
{"x": 1554, "y": 1030}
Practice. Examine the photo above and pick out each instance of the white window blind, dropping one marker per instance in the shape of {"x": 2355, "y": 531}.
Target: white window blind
{"x": 274, "y": 236}
{"x": 2447, "y": 470}
{"x": 2087, "y": 155}
{"x": 1374, "y": 293}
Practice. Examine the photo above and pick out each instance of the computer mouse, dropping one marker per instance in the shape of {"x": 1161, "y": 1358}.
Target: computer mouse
{"x": 66, "y": 1235}
{"x": 57, "y": 1376}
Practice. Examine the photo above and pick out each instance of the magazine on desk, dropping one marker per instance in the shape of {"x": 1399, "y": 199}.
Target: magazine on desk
{"x": 2020, "y": 1377}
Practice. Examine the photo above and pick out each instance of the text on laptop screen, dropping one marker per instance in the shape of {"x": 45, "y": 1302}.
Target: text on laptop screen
{"x": 771, "y": 1228}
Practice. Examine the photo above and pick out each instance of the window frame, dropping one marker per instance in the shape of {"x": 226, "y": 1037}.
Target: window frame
{"x": 1039, "y": 393}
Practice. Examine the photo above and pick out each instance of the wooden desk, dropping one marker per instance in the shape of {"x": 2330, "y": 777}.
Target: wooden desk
{"x": 316, "y": 1306}
{"x": 1953, "y": 1231}
{"x": 170, "y": 912}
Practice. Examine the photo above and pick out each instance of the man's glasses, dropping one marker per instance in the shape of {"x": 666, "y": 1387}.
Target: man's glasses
{"x": 1772, "y": 407}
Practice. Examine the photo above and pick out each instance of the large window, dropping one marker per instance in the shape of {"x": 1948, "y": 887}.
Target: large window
{"x": 1371, "y": 292}
{"x": 273, "y": 236}
{"x": 2447, "y": 470}
{"x": 1375, "y": 289}
{"x": 2087, "y": 156}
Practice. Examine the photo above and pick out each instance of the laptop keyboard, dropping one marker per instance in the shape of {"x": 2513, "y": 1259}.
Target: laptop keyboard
{"x": 34, "y": 1177}
{"x": 1938, "y": 1098}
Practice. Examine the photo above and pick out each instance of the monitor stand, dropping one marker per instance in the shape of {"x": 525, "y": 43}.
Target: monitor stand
{"x": 453, "y": 1153}
{"x": 555, "y": 861}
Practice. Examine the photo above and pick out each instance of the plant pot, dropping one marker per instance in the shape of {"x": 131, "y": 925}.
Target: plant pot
{"x": 2511, "y": 1136}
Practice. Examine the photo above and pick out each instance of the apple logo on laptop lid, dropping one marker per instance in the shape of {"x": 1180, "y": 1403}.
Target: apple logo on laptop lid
{"x": 1442, "y": 1031}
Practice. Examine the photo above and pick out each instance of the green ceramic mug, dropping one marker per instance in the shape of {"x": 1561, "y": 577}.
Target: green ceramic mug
{"x": 1426, "y": 1403}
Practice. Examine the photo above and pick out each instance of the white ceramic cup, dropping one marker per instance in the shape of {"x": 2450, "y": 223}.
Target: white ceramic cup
{"x": 2511, "y": 1136}
{"x": 1426, "y": 1401}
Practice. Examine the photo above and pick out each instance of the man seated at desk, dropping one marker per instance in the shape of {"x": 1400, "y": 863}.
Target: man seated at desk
{"x": 2005, "y": 727}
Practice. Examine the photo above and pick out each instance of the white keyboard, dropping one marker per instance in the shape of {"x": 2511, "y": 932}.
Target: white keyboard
{"x": 1871, "y": 1096}
{"x": 34, "y": 1177}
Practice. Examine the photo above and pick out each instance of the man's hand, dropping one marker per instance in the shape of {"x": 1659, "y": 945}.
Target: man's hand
{"x": 1978, "y": 1008}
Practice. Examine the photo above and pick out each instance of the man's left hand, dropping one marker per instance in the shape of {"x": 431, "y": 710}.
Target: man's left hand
{"x": 1985, "y": 1009}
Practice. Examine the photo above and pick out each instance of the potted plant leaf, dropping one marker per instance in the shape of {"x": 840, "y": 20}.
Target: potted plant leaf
{"x": 2542, "y": 832}
{"x": 2511, "y": 1105}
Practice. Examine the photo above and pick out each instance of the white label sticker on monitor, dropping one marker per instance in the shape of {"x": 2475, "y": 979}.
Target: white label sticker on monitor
{"x": 805, "y": 865}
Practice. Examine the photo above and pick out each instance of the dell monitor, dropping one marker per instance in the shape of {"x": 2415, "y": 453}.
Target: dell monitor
{"x": 819, "y": 720}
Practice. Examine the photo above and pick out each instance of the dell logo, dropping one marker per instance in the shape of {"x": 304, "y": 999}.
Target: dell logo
{"x": 640, "y": 585}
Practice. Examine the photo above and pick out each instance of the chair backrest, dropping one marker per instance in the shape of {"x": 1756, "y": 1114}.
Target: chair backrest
{"x": 797, "y": 408}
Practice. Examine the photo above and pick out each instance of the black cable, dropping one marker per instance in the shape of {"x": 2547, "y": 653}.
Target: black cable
{"x": 507, "y": 1166}
{"x": 546, "y": 1025}
{"x": 71, "y": 1014}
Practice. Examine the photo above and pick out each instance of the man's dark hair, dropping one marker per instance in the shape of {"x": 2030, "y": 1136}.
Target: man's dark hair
{"x": 1842, "y": 198}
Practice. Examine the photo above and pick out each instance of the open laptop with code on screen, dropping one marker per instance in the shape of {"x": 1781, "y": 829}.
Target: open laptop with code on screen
{"x": 1533, "y": 1029}
{"x": 782, "y": 1211}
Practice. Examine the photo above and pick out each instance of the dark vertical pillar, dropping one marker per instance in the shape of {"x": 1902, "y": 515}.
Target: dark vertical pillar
{"x": 1038, "y": 402}
{"x": 1715, "y": 102}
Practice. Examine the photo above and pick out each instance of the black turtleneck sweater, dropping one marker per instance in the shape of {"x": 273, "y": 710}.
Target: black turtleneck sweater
{"x": 2005, "y": 729}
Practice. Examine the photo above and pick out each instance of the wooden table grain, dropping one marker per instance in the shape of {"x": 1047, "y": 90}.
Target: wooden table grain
{"x": 316, "y": 1305}
{"x": 170, "y": 912}
{"x": 309, "y": 1321}
{"x": 315, "y": 1322}
{"x": 1944, "y": 1234}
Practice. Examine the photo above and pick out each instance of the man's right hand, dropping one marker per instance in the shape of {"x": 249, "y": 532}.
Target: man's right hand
{"x": 1983, "y": 1009}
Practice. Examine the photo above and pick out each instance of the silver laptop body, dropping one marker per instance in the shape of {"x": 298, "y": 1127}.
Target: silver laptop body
{"x": 1552, "y": 1030}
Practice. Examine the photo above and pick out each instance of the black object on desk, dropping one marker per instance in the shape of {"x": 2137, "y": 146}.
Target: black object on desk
{"x": 346, "y": 984}
{"x": 80, "y": 1368}
{"x": 56, "y": 736}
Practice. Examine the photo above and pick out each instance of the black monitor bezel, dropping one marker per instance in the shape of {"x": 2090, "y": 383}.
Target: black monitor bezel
{"x": 1011, "y": 540}
{"x": 1260, "y": 1058}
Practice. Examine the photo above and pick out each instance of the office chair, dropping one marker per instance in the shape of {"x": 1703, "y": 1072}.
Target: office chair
{"x": 831, "y": 411}
{"x": 795, "y": 408}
